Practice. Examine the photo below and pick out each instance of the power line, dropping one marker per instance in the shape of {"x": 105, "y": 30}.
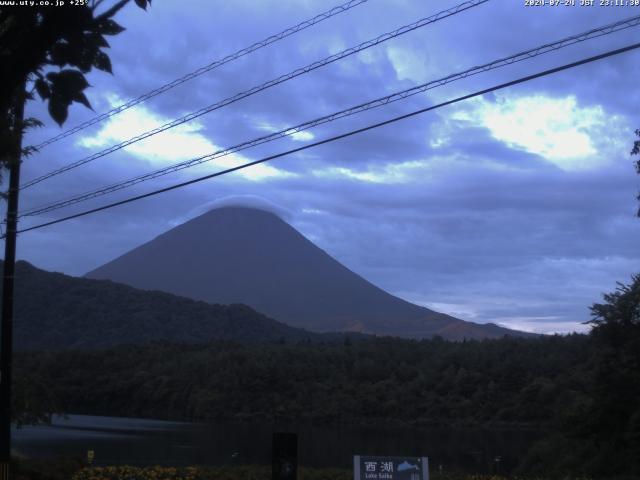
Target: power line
{"x": 344, "y": 135}
{"x": 531, "y": 53}
{"x": 271, "y": 83}
{"x": 207, "y": 68}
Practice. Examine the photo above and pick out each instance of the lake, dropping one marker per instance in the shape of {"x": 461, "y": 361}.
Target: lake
{"x": 152, "y": 442}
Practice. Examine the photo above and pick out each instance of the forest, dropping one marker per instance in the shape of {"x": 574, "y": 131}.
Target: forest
{"x": 583, "y": 391}
{"x": 501, "y": 382}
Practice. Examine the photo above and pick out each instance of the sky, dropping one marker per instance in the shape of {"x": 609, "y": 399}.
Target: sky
{"x": 516, "y": 207}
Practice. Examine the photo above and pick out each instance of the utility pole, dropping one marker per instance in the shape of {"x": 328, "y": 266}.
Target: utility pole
{"x": 6, "y": 325}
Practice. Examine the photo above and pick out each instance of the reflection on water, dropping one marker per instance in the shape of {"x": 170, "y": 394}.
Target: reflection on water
{"x": 151, "y": 442}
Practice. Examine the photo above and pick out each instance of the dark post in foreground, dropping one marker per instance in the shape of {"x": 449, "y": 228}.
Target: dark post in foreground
{"x": 6, "y": 327}
{"x": 284, "y": 464}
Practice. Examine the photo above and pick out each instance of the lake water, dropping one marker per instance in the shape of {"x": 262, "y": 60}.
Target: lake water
{"x": 151, "y": 442}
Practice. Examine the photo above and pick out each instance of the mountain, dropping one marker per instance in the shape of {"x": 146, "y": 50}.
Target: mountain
{"x": 55, "y": 311}
{"x": 245, "y": 255}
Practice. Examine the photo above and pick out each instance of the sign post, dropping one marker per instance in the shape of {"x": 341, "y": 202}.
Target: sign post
{"x": 284, "y": 456}
{"x": 390, "y": 468}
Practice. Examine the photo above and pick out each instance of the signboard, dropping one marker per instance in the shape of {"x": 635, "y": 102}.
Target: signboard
{"x": 390, "y": 468}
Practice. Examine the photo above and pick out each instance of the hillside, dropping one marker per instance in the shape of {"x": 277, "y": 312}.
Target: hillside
{"x": 55, "y": 311}
{"x": 250, "y": 256}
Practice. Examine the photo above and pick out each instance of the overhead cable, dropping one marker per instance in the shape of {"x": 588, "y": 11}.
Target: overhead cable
{"x": 207, "y": 68}
{"x": 341, "y": 136}
{"x": 271, "y": 83}
{"x": 527, "y": 54}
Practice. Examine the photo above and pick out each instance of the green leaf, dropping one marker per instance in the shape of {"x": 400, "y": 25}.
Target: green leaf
{"x": 62, "y": 54}
{"x": 636, "y": 147}
{"x": 98, "y": 40}
{"x": 110, "y": 27}
{"x": 142, "y": 4}
{"x": 29, "y": 150}
{"x": 58, "y": 110}
{"x": 31, "y": 122}
{"x": 85, "y": 62}
{"x": 42, "y": 87}
{"x": 70, "y": 82}
{"x": 82, "y": 98}
{"x": 101, "y": 62}
{"x": 66, "y": 87}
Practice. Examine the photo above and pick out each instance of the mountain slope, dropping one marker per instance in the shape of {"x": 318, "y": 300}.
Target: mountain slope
{"x": 243, "y": 255}
{"x": 56, "y": 311}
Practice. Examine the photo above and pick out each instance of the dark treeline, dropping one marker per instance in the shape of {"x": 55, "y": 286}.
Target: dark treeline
{"x": 504, "y": 382}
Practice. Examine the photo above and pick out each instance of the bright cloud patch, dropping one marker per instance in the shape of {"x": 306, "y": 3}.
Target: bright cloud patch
{"x": 554, "y": 129}
{"x": 303, "y": 136}
{"x": 391, "y": 173}
{"x": 546, "y": 325}
{"x": 177, "y": 144}
{"x": 408, "y": 64}
{"x": 472, "y": 311}
{"x": 557, "y": 129}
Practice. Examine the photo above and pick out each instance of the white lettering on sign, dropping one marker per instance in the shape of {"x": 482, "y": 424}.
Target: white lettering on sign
{"x": 390, "y": 468}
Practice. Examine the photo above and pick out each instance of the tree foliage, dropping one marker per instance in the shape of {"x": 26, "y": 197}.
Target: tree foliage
{"x": 614, "y": 420}
{"x": 636, "y": 151}
{"x": 49, "y": 49}
{"x": 382, "y": 380}
{"x": 600, "y": 436}
{"x": 620, "y": 313}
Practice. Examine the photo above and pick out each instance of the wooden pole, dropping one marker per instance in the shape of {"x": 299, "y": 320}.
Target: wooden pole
{"x": 6, "y": 325}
